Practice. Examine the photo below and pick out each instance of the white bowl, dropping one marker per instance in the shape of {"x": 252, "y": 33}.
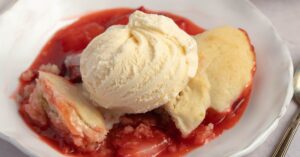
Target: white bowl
{"x": 28, "y": 25}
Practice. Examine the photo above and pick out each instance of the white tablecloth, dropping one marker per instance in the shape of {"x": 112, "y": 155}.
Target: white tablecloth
{"x": 285, "y": 15}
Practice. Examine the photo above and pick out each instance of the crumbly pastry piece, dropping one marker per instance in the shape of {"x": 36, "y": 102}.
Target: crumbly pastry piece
{"x": 189, "y": 107}
{"x": 225, "y": 68}
{"x": 229, "y": 59}
{"x": 71, "y": 114}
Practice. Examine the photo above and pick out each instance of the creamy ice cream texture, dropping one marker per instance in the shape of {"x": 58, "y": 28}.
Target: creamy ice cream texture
{"x": 137, "y": 67}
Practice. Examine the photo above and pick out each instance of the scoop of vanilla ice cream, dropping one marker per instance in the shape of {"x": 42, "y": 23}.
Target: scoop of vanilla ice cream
{"x": 137, "y": 67}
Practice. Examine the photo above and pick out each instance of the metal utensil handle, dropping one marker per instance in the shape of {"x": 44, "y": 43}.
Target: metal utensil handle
{"x": 286, "y": 140}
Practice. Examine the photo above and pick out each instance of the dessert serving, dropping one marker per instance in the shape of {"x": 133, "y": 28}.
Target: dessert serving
{"x": 133, "y": 82}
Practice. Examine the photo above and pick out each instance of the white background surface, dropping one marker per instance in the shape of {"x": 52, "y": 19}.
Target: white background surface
{"x": 285, "y": 16}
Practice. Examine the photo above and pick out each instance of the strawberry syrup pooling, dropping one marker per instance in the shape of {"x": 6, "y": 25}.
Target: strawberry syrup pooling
{"x": 150, "y": 134}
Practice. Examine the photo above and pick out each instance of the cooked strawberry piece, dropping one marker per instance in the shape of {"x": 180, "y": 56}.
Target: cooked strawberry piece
{"x": 74, "y": 74}
{"x": 72, "y": 65}
{"x": 143, "y": 148}
{"x": 140, "y": 142}
{"x": 77, "y": 39}
{"x": 138, "y": 136}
